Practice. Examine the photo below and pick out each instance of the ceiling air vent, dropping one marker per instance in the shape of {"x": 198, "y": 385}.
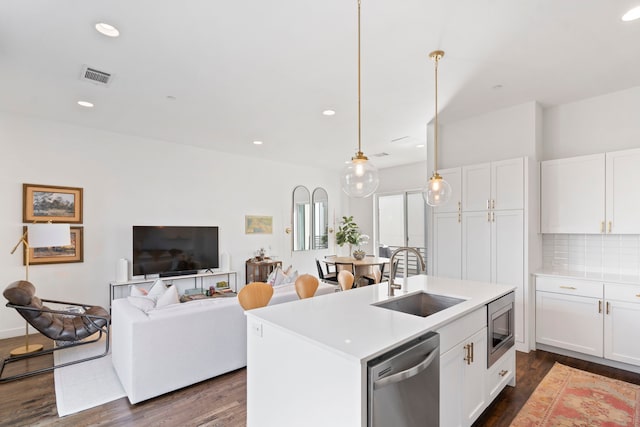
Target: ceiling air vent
{"x": 94, "y": 76}
{"x": 382, "y": 154}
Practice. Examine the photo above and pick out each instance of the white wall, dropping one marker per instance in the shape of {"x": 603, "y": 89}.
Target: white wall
{"x": 605, "y": 123}
{"x": 498, "y": 135}
{"x": 129, "y": 180}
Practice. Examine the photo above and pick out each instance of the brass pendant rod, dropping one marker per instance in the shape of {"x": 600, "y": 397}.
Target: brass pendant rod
{"x": 359, "y": 108}
{"x": 435, "y": 163}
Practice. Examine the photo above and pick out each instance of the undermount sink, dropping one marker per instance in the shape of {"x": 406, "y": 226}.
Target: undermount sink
{"x": 421, "y": 304}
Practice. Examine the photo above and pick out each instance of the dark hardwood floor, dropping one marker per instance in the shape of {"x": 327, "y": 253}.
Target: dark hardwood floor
{"x": 221, "y": 401}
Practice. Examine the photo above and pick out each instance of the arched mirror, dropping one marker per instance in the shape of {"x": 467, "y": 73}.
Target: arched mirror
{"x": 301, "y": 219}
{"x": 320, "y": 203}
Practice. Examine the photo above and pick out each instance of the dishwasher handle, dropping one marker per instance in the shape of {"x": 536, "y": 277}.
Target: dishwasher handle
{"x": 407, "y": 373}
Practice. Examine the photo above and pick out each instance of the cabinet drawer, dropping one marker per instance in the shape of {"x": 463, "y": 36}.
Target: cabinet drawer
{"x": 459, "y": 330}
{"x": 628, "y": 293}
{"x": 501, "y": 373}
{"x": 562, "y": 285}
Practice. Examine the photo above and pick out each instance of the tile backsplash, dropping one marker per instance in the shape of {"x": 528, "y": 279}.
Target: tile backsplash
{"x": 593, "y": 253}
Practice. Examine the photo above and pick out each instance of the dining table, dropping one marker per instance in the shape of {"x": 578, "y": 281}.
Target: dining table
{"x": 362, "y": 267}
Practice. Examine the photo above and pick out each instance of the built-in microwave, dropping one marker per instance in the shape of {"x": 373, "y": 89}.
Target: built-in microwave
{"x": 501, "y": 327}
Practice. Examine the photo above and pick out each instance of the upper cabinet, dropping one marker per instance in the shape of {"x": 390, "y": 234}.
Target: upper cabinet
{"x": 623, "y": 192}
{"x": 493, "y": 186}
{"x": 591, "y": 194}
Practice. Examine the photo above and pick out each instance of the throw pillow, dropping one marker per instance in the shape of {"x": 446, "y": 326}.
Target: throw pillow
{"x": 138, "y": 292}
{"x": 143, "y": 303}
{"x": 170, "y": 296}
{"x": 157, "y": 289}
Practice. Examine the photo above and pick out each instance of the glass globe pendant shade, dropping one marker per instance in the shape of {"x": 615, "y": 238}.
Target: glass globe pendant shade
{"x": 359, "y": 178}
{"x": 437, "y": 192}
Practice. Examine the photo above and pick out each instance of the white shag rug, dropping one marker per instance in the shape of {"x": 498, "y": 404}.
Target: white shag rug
{"x": 87, "y": 384}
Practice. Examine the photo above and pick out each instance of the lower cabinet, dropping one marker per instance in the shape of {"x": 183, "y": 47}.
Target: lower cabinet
{"x": 621, "y": 320}
{"x": 467, "y": 387}
{"x": 462, "y": 381}
{"x": 589, "y": 317}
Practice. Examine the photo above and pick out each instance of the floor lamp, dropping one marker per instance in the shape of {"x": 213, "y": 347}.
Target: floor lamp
{"x": 39, "y": 236}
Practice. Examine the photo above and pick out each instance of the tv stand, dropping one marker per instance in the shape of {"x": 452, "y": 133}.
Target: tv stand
{"x": 121, "y": 289}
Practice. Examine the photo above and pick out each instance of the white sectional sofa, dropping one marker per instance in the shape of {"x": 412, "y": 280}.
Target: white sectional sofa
{"x": 179, "y": 345}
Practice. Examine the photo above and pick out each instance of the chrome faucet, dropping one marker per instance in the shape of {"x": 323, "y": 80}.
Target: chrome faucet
{"x": 392, "y": 270}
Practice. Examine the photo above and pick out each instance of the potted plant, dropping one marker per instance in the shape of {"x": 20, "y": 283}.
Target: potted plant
{"x": 349, "y": 233}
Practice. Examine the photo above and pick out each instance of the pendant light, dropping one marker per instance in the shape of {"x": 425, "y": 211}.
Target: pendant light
{"x": 437, "y": 191}
{"x": 359, "y": 177}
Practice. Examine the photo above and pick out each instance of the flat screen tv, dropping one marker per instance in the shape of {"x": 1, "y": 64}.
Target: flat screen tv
{"x": 173, "y": 251}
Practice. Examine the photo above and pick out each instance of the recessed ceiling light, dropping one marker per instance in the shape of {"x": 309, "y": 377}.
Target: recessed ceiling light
{"x": 257, "y": 142}
{"x": 420, "y": 146}
{"x": 632, "y": 15}
{"x": 329, "y": 112}
{"x": 86, "y": 104}
{"x": 107, "y": 30}
{"x": 171, "y": 98}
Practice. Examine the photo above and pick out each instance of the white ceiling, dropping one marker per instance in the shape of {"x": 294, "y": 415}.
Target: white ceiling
{"x": 245, "y": 70}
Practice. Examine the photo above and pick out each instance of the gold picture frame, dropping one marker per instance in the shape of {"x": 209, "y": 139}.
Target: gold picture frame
{"x": 44, "y": 203}
{"x": 58, "y": 254}
{"x": 255, "y": 224}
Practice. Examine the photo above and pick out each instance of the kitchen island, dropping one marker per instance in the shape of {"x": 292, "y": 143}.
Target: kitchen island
{"x": 307, "y": 360}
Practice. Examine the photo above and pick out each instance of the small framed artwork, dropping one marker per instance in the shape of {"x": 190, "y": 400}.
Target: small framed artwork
{"x": 254, "y": 224}
{"x": 44, "y": 203}
{"x": 59, "y": 254}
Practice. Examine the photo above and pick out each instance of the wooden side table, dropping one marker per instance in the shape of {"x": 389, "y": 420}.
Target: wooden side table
{"x": 259, "y": 270}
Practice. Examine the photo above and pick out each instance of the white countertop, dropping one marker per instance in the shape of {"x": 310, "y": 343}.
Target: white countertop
{"x": 616, "y": 278}
{"x": 347, "y": 323}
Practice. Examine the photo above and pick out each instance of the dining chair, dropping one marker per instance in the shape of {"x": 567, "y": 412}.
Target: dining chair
{"x": 375, "y": 276}
{"x": 306, "y": 286}
{"x": 331, "y": 277}
{"x": 340, "y": 266}
{"x": 345, "y": 279}
{"x": 329, "y": 266}
{"x": 255, "y": 295}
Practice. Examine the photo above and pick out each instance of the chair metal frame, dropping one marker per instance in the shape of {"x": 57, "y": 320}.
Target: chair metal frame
{"x": 90, "y": 317}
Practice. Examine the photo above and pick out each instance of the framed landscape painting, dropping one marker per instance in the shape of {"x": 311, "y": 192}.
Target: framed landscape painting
{"x": 254, "y": 224}
{"x": 44, "y": 203}
{"x": 59, "y": 254}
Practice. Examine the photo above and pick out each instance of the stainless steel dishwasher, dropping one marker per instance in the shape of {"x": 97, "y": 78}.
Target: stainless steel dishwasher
{"x": 404, "y": 385}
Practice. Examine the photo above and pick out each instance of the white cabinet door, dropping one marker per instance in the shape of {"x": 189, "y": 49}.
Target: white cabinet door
{"x": 463, "y": 394}
{"x": 571, "y": 322}
{"x": 476, "y": 246}
{"x": 451, "y": 384}
{"x": 507, "y": 184}
{"x": 507, "y": 257}
{"x": 447, "y": 245}
{"x": 572, "y": 198}
{"x": 474, "y": 389}
{"x": 454, "y": 177}
{"x": 623, "y": 192}
{"x": 621, "y": 320}
{"x": 476, "y": 187}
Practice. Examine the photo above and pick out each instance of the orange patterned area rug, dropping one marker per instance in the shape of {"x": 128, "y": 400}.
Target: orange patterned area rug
{"x": 568, "y": 397}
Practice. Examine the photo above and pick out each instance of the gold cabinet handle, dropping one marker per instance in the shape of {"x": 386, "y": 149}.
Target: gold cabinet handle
{"x": 600, "y": 306}
{"x": 467, "y": 356}
{"x": 493, "y": 204}
{"x": 503, "y": 373}
{"x": 568, "y": 287}
{"x": 488, "y": 204}
{"x": 602, "y": 226}
{"x": 488, "y": 216}
{"x": 471, "y": 352}
{"x": 608, "y": 307}
{"x": 610, "y": 226}
{"x": 493, "y": 217}
{"x": 638, "y": 295}
{"x": 459, "y": 217}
